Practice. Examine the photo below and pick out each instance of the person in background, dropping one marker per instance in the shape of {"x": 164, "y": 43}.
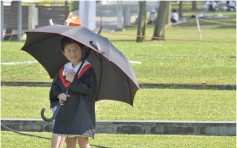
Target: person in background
{"x": 174, "y": 16}
{"x": 213, "y": 6}
{"x": 230, "y": 6}
{"x": 222, "y": 5}
{"x": 206, "y": 6}
{"x": 152, "y": 17}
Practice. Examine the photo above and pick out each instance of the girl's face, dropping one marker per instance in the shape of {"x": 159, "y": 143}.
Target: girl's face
{"x": 73, "y": 53}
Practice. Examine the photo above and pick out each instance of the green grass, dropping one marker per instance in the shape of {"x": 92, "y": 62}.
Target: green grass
{"x": 11, "y": 140}
{"x": 175, "y": 60}
{"x": 161, "y": 62}
{"x": 149, "y": 104}
{"x": 180, "y": 62}
{"x": 181, "y": 58}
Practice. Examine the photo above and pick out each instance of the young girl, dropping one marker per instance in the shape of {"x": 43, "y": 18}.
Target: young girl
{"x": 76, "y": 118}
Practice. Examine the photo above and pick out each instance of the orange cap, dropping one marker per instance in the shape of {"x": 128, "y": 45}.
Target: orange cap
{"x": 73, "y": 20}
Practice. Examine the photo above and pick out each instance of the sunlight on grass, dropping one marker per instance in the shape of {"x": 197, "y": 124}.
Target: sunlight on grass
{"x": 11, "y": 140}
{"x": 181, "y": 58}
{"x": 175, "y": 60}
{"x": 149, "y": 104}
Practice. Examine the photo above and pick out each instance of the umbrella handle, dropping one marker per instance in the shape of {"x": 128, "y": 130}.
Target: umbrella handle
{"x": 54, "y": 115}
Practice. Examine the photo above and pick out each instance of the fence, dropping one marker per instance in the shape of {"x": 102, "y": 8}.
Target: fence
{"x": 57, "y": 13}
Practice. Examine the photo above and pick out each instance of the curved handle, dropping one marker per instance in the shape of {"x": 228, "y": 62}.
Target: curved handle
{"x": 54, "y": 115}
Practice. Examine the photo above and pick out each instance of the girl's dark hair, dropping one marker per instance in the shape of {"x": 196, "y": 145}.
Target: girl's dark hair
{"x": 65, "y": 41}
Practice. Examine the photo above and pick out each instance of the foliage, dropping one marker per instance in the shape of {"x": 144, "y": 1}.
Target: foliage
{"x": 74, "y": 5}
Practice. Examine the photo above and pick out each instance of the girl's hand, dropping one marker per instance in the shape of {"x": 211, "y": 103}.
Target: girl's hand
{"x": 63, "y": 96}
{"x": 70, "y": 76}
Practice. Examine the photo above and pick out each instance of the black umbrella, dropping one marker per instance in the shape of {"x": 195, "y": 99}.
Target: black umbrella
{"x": 115, "y": 77}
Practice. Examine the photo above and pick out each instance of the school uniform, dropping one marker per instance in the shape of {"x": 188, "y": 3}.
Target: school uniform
{"x": 77, "y": 116}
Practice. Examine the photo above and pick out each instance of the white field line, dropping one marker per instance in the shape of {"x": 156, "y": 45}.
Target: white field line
{"x": 135, "y": 62}
{"x": 16, "y": 63}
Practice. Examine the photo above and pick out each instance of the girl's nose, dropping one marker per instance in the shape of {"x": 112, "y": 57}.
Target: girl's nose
{"x": 73, "y": 51}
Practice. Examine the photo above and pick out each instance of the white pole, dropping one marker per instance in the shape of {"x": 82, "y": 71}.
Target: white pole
{"x": 83, "y": 11}
{"x": 199, "y": 29}
{"x": 119, "y": 15}
{"x": 92, "y": 15}
{"x": 32, "y": 17}
{"x": 87, "y": 13}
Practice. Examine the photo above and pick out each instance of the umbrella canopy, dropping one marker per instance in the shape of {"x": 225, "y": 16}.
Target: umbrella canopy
{"x": 115, "y": 77}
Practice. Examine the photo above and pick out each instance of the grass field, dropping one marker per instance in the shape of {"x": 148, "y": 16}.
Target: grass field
{"x": 161, "y": 62}
{"x": 175, "y": 60}
{"x": 11, "y": 140}
{"x": 181, "y": 58}
{"x": 149, "y": 104}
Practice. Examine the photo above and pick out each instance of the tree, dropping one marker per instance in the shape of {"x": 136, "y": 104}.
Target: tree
{"x": 194, "y": 5}
{"x": 161, "y": 20}
{"x": 180, "y": 9}
{"x": 141, "y": 22}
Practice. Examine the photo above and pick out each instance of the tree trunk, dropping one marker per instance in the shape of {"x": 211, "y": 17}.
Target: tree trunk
{"x": 161, "y": 20}
{"x": 194, "y": 5}
{"x": 180, "y": 9}
{"x": 168, "y": 20}
{"x": 141, "y": 22}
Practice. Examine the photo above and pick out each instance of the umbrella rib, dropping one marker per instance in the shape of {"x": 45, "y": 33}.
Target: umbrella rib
{"x": 100, "y": 59}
